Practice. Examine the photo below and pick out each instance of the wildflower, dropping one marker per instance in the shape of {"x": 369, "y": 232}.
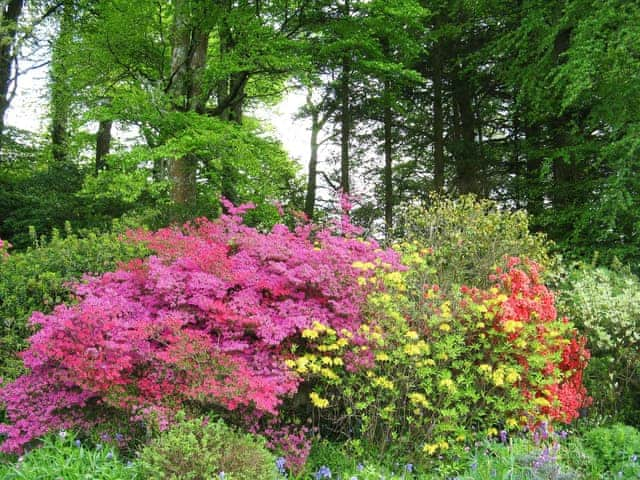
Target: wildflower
{"x": 77, "y": 443}
{"x": 222, "y": 475}
{"x": 62, "y": 434}
{"x": 280, "y": 464}
{"x": 360, "y": 467}
{"x": 318, "y": 401}
{"x": 430, "y": 448}
{"x": 109, "y": 455}
{"x": 409, "y": 467}
{"x": 323, "y": 472}
{"x": 445, "y": 327}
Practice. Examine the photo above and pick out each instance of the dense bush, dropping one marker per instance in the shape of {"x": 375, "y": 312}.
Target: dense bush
{"x": 471, "y": 237}
{"x": 201, "y": 449}
{"x": 605, "y": 304}
{"x": 207, "y": 322}
{"x": 605, "y": 452}
{"x": 63, "y": 456}
{"x": 36, "y": 279}
{"x": 443, "y": 370}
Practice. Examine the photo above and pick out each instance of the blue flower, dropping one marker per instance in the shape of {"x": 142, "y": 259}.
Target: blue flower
{"x": 360, "y": 467}
{"x": 409, "y": 467}
{"x": 109, "y": 455}
{"x": 323, "y": 472}
{"x": 280, "y": 463}
{"x": 77, "y": 443}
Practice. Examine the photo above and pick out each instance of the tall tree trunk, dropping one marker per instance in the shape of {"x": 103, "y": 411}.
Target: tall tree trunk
{"x": 438, "y": 122}
{"x": 388, "y": 160}
{"x": 469, "y": 167}
{"x": 103, "y": 143}
{"x": 60, "y": 90}
{"x": 9, "y": 15}
{"x": 310, "y": 199}
{"x": 345, "y": 115}
{"x": 188, "y": 59}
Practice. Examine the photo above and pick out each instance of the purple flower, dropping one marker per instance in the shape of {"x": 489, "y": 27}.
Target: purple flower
{"x": 323, "y": 472}
{"x": 77, "y": 443}
{"x": 409, "y": 467}
{"x": 280, "y": 463}
{"x": 503, "y": 436}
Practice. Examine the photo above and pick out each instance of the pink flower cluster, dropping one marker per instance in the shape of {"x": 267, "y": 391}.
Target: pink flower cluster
{"x": 207, "y": 320}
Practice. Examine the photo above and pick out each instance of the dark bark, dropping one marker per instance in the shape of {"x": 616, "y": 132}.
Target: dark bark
{"x": 345, "y": 116}
{"x": 438, "y": 122}
{"x": 188, "y": 59}
{"x": 9, "y": 17}
{"x": 60, "y": 92}
{"x": 103, "y": 143}
{"x": 469, "y": 168}
{"x": 388, "y": 160}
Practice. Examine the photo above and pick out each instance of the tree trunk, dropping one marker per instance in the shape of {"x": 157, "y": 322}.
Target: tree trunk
{"x": 310, "y": 199}
{"x": 468, "y": 166}
{"x": 345, "y": 117}
{"x": 103, "y": 143}
{"x": 388, "y": 161}
{"x": 9, "y": 15}
{"x": 60, "y": 91}
{"x": 438, "y": 123}
{"x": 188, "y": 59}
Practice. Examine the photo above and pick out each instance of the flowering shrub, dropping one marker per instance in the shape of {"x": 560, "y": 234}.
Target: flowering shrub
{"x": 605, "y": 304}
{"x": 439, "y": 371}
{"x": 202, "y": 449}
{"x": 208, "y": 321}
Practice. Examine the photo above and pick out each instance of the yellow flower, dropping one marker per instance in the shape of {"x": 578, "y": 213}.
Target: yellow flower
{"x": 412, "y": 349}
{"x": 511, "y": 423}
{"x": 338, "y": 362}
{"x": 480, "y": 325}
{"x": 383, "y": 382}
{"x": 484, "y": 368}
{"x": 443, "y": 445}
{"x": 448, "y": 384}
{"x": 362, "y": 281}
{"x": 328, "y": 373}
{"x": 461, "y": 438}
{"x": 541, "y": 401}
{"x": 290, "y": 363}
{"x": 430, "y": 448}
{"x": 511, "y": 326}
{"x": 382, "y": 357}
{"x": 310, "y": 334}
{"x": 342, "y": 342}
{"x": 512, "y": 376}
{"x": 412, "y": 335}
{"x": 445, "y": 327}
{"x": 498, "y": 377}
{"x": 492, "y": 432}
{"x": 318, "y": 401}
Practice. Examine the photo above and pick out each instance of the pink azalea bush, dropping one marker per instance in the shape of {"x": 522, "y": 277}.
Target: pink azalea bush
{"x": 208, "y": 321}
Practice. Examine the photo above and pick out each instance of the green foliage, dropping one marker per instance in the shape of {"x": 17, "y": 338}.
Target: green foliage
{"x": 470, "y": 237}
{"x": 202, "y": 449}
{"x": 36, "y": 280}
{"x": 605, "y": 304}
{"x": 62, "y": 456}
{"x": 605, "y": 453}
{"x": 518, "y": 460}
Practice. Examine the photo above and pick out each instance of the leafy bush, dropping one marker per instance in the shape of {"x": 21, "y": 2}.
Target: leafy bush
{"x": 63, "y": 456}
{"x": 442, "y": 370}
{"x": 605, "y": 304}
{"x": 37, "y": 280}
{"x": 605, "y": 452}
{"x": 471, "y": 237}
{"x": 199, "y": 449}
{"x": 206, "y": 322}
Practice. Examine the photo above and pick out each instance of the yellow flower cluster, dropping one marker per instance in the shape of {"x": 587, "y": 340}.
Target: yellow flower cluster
{"x": 432, "y": 448}
{"x": 317, "y": 401}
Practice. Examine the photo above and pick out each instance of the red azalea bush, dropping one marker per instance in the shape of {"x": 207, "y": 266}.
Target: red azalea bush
{"x": 207, "y": 321}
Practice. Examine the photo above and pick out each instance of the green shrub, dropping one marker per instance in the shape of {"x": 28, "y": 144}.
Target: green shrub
{"x": 198, "y": 449}
{"x": 605, "y": 305}
{"x": 470, "y": 237}
{"x": 605, "y": 452}
{"x": 62, "y": 456}
{"x": 36, "y": 280}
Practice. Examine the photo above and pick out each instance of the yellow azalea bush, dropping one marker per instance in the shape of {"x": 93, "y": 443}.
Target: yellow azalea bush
{"x": 438, "y": 371}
